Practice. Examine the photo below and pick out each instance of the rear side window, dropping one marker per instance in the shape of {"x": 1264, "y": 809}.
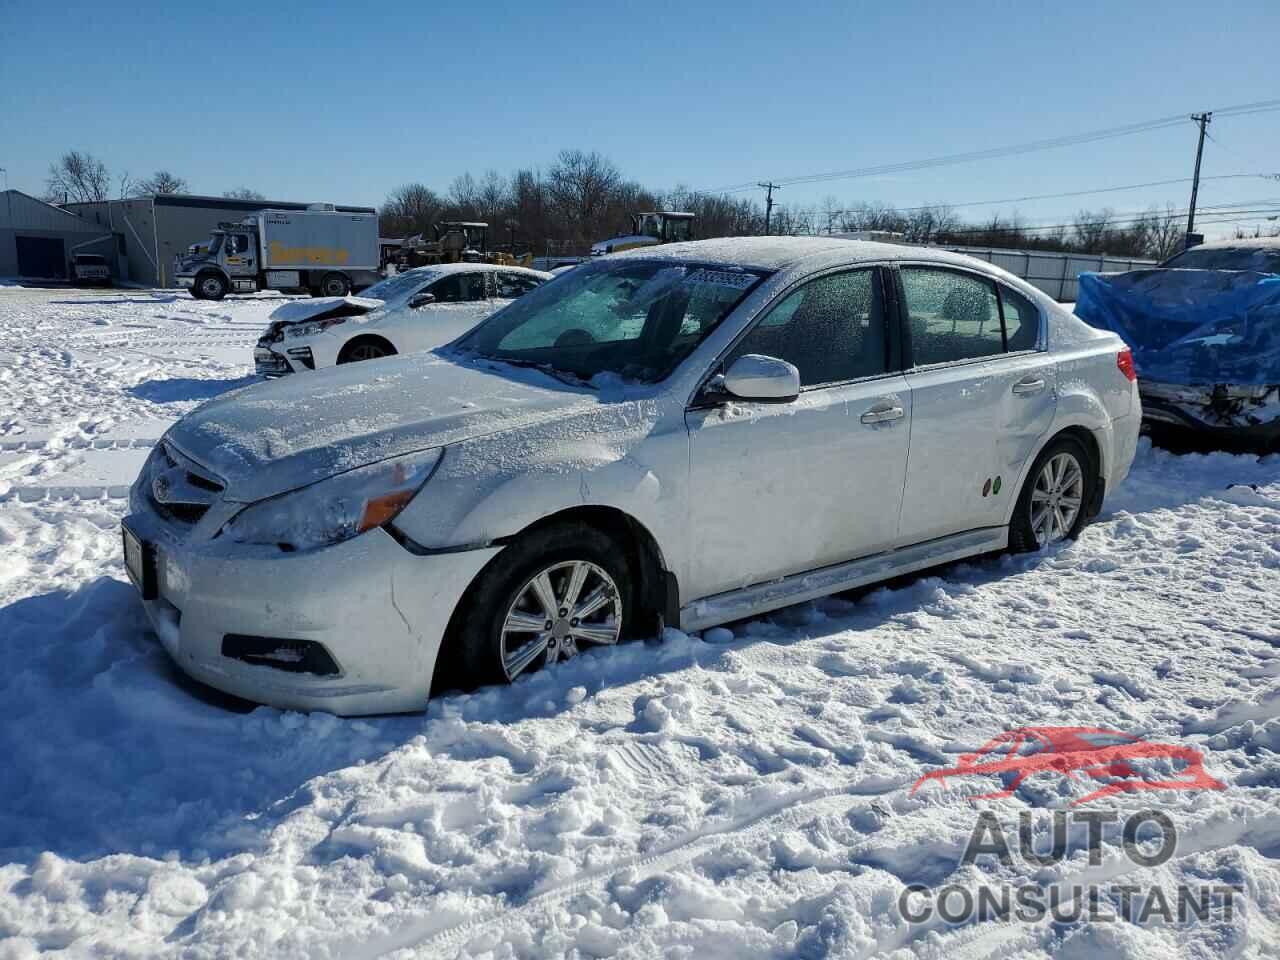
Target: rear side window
{"x": 1021, "y": 321}
{"x": 459, "y": 288}
{"x": 512, "y": 285}
{"x": 953, "y": 316}
{"x": 831, "y": 329}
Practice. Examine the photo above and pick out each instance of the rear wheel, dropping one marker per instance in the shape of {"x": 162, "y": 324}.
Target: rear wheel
{"x": 335, "y": 285}
{"x": 547, "y": 597}
{"x": 1051, "y": 505}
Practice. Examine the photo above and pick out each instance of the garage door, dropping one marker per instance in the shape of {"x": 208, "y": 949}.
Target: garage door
{"x": 41, "y": 257}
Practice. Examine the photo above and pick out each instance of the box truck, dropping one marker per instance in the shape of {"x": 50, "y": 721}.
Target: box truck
{"x": 319, "y": 250}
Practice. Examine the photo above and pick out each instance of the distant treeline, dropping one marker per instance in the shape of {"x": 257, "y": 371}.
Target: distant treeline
{"x": 583, "y": 197}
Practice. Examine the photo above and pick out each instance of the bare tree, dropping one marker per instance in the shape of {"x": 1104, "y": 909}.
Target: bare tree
{"x": 161, "y": 182}
{"x": 410, "y": 209}
{"x": 78, "y": 176}
{"x": 243, "y": 193}
{"x": 581, "y": 185}
{"x": 1166, "y": 235}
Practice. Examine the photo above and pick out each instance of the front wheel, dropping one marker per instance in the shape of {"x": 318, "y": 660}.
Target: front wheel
{"x": 365, "y": 349}
{"x": 210, "y": 286}
{"x": 547, "y": 597}
{"x": 1051, "y": 505}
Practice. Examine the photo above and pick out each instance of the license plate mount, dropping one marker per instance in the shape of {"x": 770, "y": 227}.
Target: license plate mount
{"x": 140, "y": 562}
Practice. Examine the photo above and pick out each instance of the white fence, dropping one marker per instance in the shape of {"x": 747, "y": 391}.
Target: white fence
{"x": 1054, "y": 273}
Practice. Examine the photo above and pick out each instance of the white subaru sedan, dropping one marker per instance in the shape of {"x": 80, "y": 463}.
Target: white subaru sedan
{"x": 687, "y": 435}
{"x": 415, "y": 310}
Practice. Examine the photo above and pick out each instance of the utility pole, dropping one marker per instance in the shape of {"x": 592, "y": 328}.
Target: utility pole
{"x": 768, "y": 203}
{"x": 1203, "y": 120}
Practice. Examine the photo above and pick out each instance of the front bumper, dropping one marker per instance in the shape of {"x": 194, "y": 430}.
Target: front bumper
{"x": 185, "y": 282}
{"x": 379, "y": 611}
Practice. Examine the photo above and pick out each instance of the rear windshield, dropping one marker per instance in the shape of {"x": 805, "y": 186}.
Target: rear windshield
{"x": 1227, "y": 258}
{"x": 90, "y": 259}
{"x": 630, "y": 317}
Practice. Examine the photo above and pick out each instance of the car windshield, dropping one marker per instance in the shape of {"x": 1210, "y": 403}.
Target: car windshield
{"x": 1227, "y": 258}
{"x": 634, "y": 318}
{"x": 215, "y": 243}
{"x": 399, "y": 285}
{"x": 90, "y": 259}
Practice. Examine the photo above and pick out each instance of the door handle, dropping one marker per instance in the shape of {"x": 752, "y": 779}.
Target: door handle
{"x": 883, "y": 413}
{"x": 1028, "y": 386}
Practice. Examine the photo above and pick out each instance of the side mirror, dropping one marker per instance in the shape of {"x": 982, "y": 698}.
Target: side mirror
{"x": 421, "y": 300}
{"x": 768, "y": 379}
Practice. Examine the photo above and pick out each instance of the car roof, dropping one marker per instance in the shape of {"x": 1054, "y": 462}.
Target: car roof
{"x": 441, "y": 268}
{"x": 1239, "y": 243}
{"x": 777, "y": 253}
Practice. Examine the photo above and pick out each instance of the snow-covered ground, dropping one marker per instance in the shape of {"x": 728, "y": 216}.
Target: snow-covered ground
{"x": 741, "y": 794}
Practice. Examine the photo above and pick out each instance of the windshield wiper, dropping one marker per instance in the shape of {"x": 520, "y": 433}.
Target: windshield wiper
{"x": 564, "y": 376}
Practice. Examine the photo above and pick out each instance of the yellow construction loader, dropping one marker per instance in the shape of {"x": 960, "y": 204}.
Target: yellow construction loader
{"x": 649, "y": 229}
{"x": 456, "y": 241}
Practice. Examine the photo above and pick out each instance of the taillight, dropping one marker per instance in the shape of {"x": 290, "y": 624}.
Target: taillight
{"x": 1124, "y": 360}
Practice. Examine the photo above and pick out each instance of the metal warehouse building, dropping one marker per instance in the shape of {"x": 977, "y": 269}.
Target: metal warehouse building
{"x": 156, "y": 229}
{"x": 38, "y": 240}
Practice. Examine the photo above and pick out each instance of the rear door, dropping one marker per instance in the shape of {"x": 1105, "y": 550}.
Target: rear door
{"x": 983, "y": 392}
{"x": 781, "y": 488}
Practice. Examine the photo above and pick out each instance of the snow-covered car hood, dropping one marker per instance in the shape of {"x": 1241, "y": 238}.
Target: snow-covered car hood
{"x": 269, "y": 438}
{"x": 313, "y": 308}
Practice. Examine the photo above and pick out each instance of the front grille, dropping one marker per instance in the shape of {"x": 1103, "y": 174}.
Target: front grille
{"x": 179, "y": 489}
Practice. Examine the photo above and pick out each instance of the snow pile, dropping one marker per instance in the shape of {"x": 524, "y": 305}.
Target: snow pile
{"x": 745, "y": 793}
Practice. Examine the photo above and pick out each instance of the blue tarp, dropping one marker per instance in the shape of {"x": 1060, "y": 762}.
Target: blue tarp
{"x": 1191, "y": 327}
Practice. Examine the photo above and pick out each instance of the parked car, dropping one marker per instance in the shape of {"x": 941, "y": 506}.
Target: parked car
{"x": 90, "y": 269}
{"x": 415, "y": 310}
{"x": 1205, "y": 331}
{"x": 687, "y": 435}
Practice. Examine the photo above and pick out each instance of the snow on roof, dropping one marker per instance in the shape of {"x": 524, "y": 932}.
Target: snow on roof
{"x": 766, "y": 253}
{"x": 468, "y": 268}
{"x": 1239, "y": 243}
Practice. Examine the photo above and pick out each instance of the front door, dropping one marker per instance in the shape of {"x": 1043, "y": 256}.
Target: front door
{"x": 781, "y": 488}
{"x": 983, "y": 393}
{"x": 461, "y": 300}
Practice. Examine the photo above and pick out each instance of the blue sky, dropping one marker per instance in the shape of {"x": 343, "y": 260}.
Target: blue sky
{"x": 306, "y": 102}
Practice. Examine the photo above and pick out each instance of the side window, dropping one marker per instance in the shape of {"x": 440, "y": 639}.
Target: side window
{"x": 458, "y": 288}
{"x": 512, "y": 285}
{"x": 831, "y": 328}
{"x": 238, "y": 242}
{"x": 953, "y": 315}
{"x": 1021, "y": 321}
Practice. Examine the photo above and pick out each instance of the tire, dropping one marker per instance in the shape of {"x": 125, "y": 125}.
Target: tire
{"x": 504, "y": 596}
{"x": 1043, "y": 513}
{"x": 211, "y": 286}
{"x": 366, "y": 348}
{"x": 334, "y": 285}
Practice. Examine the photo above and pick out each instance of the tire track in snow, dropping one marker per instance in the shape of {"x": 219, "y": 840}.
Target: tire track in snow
{"x": 422, "y": 936}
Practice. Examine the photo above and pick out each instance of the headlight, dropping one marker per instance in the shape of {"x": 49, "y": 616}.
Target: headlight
{"x": 336, "y": 509}
{"x": 314, "y": 327}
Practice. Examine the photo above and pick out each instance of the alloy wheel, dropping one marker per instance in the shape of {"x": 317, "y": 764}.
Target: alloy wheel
{"x": 366, "y": 351}
{"x": 1056, "y": 498}
{"x": 559, "y": 610}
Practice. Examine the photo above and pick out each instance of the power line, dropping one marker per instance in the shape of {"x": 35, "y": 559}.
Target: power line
{"x": 1058, "y": 196}
{"x": 1093, "y": 136}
